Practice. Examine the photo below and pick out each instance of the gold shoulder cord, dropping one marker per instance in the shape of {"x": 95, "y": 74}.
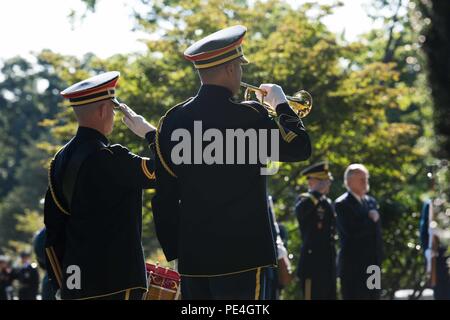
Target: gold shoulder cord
{"x": 158, "y": 130}
{"x": 52, "y": 191}
{"x": 311, "y": 197}
{"x": 158, "y": 149}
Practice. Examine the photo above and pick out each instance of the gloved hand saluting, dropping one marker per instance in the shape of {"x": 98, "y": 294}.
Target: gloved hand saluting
{"x": 135, "y": 122}
{"x": 274, "y": 95}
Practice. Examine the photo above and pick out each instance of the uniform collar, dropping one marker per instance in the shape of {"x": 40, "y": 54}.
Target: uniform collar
{"x": 89, "y": 133}
{"x": 214, "y": 91}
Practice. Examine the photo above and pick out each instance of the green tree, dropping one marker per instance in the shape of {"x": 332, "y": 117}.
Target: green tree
{"x": 27, "y": 97}
{"x": 434, "y": 17}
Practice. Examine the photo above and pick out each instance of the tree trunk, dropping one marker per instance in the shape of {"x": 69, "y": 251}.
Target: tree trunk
{"x": 437, "y": 49}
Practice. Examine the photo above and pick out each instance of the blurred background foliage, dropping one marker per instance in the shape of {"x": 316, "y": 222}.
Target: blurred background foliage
{"x": 372, "y": 104}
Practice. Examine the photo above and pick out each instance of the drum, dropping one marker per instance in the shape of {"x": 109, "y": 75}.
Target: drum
{"x": 163, "y": 283}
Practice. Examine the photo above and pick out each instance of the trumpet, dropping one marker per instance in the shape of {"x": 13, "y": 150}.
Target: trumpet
{"x": 301, "y": 101}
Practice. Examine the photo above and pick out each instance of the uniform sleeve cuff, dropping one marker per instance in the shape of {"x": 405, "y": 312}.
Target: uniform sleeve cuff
{"x": 150, "y": 136}
{"x": 283, "y": 108}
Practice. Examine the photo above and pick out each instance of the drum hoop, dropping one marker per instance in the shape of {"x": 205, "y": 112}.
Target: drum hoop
{"x": 163, "y": 289}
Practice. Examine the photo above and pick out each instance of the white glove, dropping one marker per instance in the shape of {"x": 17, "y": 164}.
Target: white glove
{"x": 135, "y": 122}
{"x": 274, "y": 94}
{"x": 374, "y": 215}
{"x": 282, "y": 251}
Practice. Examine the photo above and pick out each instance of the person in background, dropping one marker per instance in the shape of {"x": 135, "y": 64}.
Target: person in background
{"x": 275, "y": 281}
{"x": 317, "y": 222}
{"x": 47, "y": 291}
{"x": 359, "y": 227}
{"x": 5, "y": 278}
{"x": 28, "y": 278}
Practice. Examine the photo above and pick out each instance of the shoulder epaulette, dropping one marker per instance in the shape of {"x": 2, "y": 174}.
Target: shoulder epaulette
{"x": 254, "y": 105}
{"x": 308, "y": 195}
{"x": 107, "y": 150}
{"x": 177, "y": 106}
{"x": 115, "y": 149}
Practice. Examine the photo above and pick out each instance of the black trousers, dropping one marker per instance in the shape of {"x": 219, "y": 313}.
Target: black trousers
{"x": 442, "y": 287}
{"x": 355, "y": 288}
{"x": 27, "y": 294}
{"x": 318, "y": 287}
{"x": 249, "y": 285}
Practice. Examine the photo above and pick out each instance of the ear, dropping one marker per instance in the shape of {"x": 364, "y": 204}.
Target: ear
{"x": 229, "y": 68}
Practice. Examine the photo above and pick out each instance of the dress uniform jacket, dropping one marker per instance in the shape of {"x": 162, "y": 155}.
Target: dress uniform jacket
{"x": 317, "y": 262}
{"x": 214, "y": 217}
{"x": 361, "y": 244}
{"x": 100, "y": 232}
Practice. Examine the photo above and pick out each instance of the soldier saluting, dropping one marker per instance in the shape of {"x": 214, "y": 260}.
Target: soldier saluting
{"x": 317, "y": 221}
{"x": 93, "y": 205}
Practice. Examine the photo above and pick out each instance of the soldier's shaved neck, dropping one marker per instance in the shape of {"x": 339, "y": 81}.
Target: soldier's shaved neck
{"x": 220, "y": 76}
{"x": 91, "y": 115}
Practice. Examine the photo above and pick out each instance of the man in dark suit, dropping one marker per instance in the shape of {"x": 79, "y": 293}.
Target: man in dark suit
{"x": 210, "y": 206}
{"x": 359, "y": 227}
{"x": 317, "y": 221}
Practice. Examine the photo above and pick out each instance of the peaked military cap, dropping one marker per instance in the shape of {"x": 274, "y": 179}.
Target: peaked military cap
{"x": 218, "y": 48}
{"x": 318, "y": 170}
{"x": 97, "y": 88}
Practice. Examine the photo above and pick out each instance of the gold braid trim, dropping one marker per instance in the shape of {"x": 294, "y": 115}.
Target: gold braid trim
{"x": 150, "y": 176}
{"x": 287, "y": 136}
{"x": 225, "y": 274}
{"x": 258, "y": 285}
{"x": 110, "y": 294}
{"x": 158, "y": 149}
{"x": 54, "y": 265}
{"x": 52, "y": 191}
{"x": 308, "y": 195}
